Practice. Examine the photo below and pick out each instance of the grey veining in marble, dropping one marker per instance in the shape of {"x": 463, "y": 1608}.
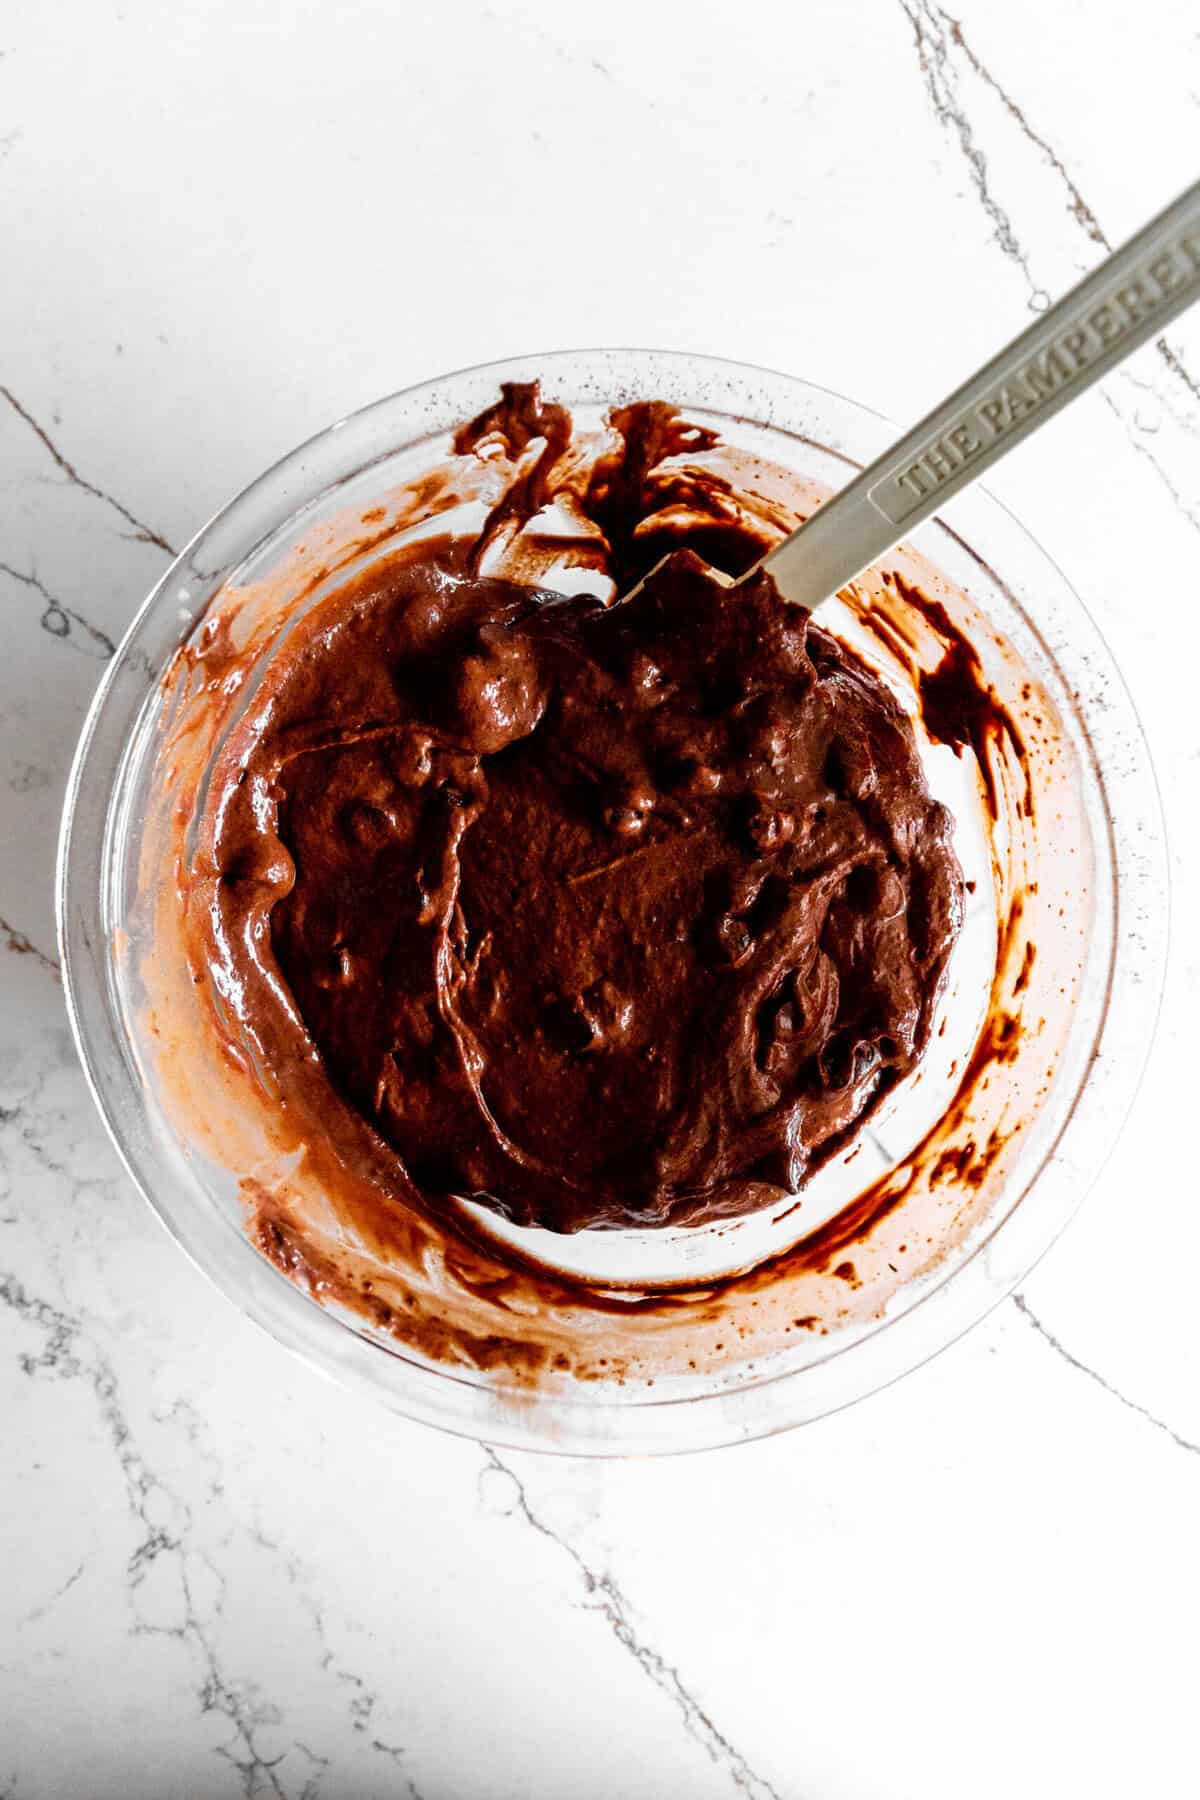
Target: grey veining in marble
{"x": 223, "y": 1577}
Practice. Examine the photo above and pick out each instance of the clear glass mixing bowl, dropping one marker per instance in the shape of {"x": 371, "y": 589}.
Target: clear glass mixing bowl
{"x": 1113, "y": 806}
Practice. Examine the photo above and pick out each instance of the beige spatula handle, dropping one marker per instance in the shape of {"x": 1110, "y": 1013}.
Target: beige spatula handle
{"x": 1129, "y": 298}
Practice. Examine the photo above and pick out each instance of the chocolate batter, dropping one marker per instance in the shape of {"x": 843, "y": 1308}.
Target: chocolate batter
{"x": 603, "y": 915}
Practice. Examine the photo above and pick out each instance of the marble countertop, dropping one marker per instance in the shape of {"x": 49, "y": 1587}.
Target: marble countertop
{"x": 222, "y": 227}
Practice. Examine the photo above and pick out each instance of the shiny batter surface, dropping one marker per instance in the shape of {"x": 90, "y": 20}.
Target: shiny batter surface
{"x": 603, "y": 915}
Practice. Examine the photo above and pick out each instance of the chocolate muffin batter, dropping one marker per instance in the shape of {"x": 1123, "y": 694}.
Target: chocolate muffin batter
{"x": 603, "y": 915}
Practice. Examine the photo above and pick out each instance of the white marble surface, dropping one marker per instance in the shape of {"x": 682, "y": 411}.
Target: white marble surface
{"x": 222, "y": 226}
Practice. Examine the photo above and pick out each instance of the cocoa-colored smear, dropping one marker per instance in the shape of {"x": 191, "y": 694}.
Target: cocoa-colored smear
{"x": 600, "y": 915}
{"x": 957, "y": 705}
{"x": 605, "y": 915}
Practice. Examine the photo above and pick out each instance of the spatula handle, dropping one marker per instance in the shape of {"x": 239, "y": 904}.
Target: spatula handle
{"x": 1131, "y": 296}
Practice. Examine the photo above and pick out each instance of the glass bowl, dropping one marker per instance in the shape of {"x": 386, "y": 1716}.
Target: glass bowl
{"x": 1101, "y": 944}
